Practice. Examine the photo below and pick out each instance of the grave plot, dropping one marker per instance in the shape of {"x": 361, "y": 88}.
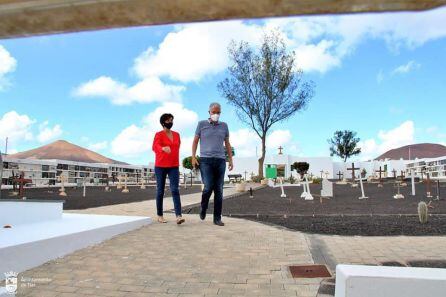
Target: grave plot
{"x": 344, "y": 213}
{"x": 95, "y": 196}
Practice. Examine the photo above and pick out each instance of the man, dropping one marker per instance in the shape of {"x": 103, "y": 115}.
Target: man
{"x": 211, "y": 134}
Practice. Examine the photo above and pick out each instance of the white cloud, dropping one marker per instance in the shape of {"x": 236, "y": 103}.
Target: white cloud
{"x": 245, "y": 142}
{"x": 7, "y": 64}
{"x": 194, "y": 51}
{"x": 343, "y": 34}
{"x": 132, "y": 141}
{"x": 150, "y": 89}
{"x": 16, "y": 127}
{"x": 402, "y": 135}
{"x": 137, "y": 139}
{"x": 98, "y": 146}
{"x": 411, "y": 65}
{"x": 47, "y": 133}
{"x": 184, "y": 118}
{"x": 316, "y": 57}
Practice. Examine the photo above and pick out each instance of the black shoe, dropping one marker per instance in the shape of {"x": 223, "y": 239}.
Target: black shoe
{"x": 202, "y": 215}
{"x": 219, "y": 223}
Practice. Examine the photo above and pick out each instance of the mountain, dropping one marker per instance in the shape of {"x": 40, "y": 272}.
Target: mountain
{"x": 410, "y": 152}
{"x": 64, "y": 150}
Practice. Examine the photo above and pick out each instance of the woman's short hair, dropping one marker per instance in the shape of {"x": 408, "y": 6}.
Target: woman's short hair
{"x": 165, "y": 117}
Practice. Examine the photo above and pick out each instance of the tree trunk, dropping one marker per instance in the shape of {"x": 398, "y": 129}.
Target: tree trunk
{"x": 262, "y": 158}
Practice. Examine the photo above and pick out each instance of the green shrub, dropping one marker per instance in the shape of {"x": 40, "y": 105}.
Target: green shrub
{"x": 187, "y": 162}
{"x": 317, "y": 180}
{"x": 256, "y": 179}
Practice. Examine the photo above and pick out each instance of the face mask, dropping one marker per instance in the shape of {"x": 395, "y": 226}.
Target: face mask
{"x": 168, "y": 125}
{"x": 215, "y": 117}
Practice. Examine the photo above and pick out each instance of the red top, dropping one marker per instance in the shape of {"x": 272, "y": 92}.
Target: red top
{"x": 163, "y": 159}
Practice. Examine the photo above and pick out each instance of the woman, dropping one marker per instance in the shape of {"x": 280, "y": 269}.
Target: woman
{"x": 166, "y": 146}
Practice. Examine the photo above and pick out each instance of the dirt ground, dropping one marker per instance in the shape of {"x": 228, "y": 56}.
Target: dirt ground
{"x": 96, "y": 195}
{"x": 344, "y": 214}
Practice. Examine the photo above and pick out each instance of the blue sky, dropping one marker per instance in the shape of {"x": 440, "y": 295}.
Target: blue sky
{"x": 381, "y": 75}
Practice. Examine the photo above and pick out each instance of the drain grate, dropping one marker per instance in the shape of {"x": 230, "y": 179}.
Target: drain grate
{"x": 309, "y": 271}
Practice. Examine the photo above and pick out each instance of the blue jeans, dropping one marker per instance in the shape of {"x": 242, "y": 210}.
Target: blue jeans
{"x": 174, "y": 177}
{"x": 213, "y": 176}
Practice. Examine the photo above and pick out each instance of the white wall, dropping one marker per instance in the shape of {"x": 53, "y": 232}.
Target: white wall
{"x": 371, "y": 167}
{"x": 250, "y": 164}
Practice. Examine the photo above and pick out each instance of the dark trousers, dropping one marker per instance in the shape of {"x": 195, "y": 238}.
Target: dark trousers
{"x": 213, "y": 176}
{"x": 174, "y": 177}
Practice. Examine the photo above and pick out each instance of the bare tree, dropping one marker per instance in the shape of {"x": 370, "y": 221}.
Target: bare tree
{"x": 264, "y": 85}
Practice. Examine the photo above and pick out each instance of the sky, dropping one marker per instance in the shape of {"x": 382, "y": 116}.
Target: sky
{"x": 381, "y": 75}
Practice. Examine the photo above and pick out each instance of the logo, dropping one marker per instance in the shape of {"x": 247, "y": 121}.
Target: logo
{"x": 11, "y": 282}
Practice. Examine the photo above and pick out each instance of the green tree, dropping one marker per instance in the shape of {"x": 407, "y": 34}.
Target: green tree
{"x": 226, "y": 153}
{"x": 187, "y": 163}
{"x": 264, "y": 85}
{"x": 301, "y": 168}
{"x": 344, "y": 144}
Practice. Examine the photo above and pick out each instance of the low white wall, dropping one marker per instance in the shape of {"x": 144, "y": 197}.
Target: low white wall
{"x": 28, "y": 246}
{"x": 381, "y": 281}
{"x": 29, "y": 211}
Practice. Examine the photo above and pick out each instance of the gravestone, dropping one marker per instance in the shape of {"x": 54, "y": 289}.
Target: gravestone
{"x": 380, "y": 171}
{"x": 327, "y": 188}
{"x": 412, "y": 179}
{"x": 62, "y": 180}
{"x": 283, "y": 195}
{"x": 22, "y": 181}
{"x": 398, "y": 195}
{"x": 307, "y": 193}
{"x": 84, "y": 184}
{"x": 304, "y": 188}
{"x": 340, "y": 174}
{"x": 352, "y": 169}
{"x": 363, "y": 196}
{"x": 185, "y": 180}
{"x": 428, "y": 185}
{"x": 119, "y": 185}
{"x": 126, "y": 189}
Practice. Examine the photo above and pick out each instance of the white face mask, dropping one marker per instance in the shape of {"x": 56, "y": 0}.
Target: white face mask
{"x": 215, "y": 117}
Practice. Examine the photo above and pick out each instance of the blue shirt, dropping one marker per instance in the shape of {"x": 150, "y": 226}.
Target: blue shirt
{"x": 212, "y": 137}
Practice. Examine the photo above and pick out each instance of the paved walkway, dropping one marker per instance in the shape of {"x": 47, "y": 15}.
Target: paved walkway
{"x": 376, "y": 250}
{"x": 195, "y": 259}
